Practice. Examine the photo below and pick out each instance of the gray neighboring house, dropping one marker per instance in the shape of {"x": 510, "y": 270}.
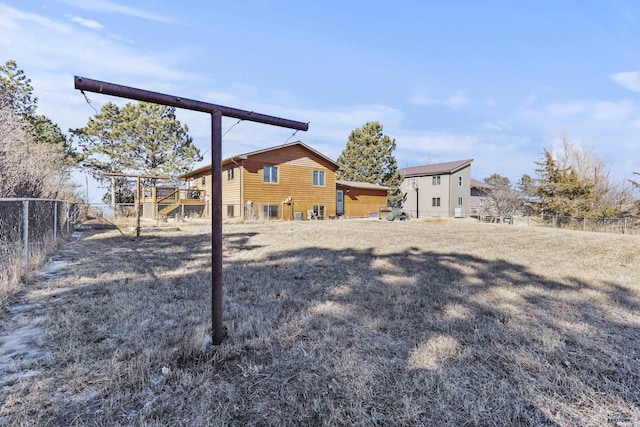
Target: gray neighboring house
{"x": 437, "y": 190}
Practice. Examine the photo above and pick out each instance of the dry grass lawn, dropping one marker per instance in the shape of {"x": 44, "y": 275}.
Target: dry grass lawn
{"x": 336, "y": 323}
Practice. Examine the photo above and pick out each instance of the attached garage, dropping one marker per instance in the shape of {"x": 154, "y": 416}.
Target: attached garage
{"x": 359, "y": 199}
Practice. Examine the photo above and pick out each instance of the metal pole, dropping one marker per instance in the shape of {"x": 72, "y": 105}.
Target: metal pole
{"x": 55, "y": 222}
{"x": 137, "y": 201}
{"x": 67, "y": 216}
{"x": 417, "y": 204}
{"x": 217, "y": 327}
{"x": 83, "y": 83}
{"x": 216, "y": 111}
{"x": 25, "y": 234}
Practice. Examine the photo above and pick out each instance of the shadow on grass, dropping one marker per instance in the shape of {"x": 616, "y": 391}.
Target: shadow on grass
{"x": 320, "y": 336}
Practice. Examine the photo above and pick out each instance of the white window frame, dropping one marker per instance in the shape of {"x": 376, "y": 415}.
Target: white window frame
{"x": 230, "y": 173}
{"x": 318, "y": 178}
{"x": 267, "y": 211}
{"x": 435, "y": 202}
{"x": 460, "y": 181}
{"x": 436, "y": 180}
{"x": 268, "y": 174}
{"x": 319, "y": 211}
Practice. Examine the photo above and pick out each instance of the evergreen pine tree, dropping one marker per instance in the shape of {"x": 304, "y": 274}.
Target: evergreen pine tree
{"x": 368, "y": 157}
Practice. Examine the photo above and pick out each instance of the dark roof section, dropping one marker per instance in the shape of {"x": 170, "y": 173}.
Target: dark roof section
{"x": 479, "y": 184}
{"x": 364, "y": 185}
{"x": 435, "y": 169}
{"x": 205, "y": 169}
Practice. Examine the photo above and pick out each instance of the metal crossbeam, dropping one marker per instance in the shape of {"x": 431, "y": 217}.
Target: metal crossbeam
{"x": 217, "y": 112}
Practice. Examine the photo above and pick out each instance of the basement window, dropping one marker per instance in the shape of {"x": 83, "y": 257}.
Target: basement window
{"x": 318, "y": 211}
{"x": 270, "y": 211}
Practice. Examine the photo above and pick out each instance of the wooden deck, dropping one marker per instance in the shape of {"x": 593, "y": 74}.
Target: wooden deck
{"x": 165, "y": 200}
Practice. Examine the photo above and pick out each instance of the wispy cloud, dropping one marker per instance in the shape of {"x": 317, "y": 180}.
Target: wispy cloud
{"x": 112, "y": 7}
{"x": 438, "y": 142}
{"x": 566, "y": 109}
{"x": 612, "y": 111}
{"x": 629, "y": 80}
{"x": 607, "y": 111}
{"x": 457, "y": 100}
{"x": 497, "y": 125}
{"x": 89, "y": 23}
{"x": 10, "y": 18}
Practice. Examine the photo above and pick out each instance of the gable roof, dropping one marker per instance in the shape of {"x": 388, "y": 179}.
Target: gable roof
{"x": 207, "y": 168}
{"x": 436, "y": 168}
{"x": 364, "y": 185}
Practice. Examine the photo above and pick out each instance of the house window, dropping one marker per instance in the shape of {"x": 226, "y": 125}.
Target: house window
{"x": 270, "y": 211}
{"x": 230, "y": 174}
{"x": 435, "y": 201}
{"x": 318, "y": 178}
{"x": 230, "y": 211}
{"x": 204, "y": 180}
{"x": 460, "y": 181}
{"x": 435, "y": 180}
{"x": 459, "y": 201}
{"x": 271, "y": 174}
{"x": 318, "y": 211}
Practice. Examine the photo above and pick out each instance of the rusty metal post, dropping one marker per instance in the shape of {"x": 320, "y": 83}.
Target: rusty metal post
{"x": 137, "y": 202}
{"x": 217, "y": 327}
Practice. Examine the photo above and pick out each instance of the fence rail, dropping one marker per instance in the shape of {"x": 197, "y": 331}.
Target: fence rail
{"x": 627, "y": 225}
{"x": 28, "y": 228}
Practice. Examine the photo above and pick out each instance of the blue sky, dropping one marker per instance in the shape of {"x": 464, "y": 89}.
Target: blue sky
{"x": 496, "y": 81}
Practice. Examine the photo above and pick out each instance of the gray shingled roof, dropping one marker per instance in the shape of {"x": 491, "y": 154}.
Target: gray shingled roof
{"x": 479, "y": 184}
{"x": 357, "y": 184}
{"x": 435, "y": 169}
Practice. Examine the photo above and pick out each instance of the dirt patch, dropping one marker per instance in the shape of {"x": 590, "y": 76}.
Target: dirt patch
{"x": 23, "y": 325}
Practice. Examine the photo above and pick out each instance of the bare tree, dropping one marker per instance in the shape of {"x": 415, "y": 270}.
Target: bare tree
{"x": 505, "y": 202}
{"x": 611, "y": 198}
{"x": 27, "y": 169}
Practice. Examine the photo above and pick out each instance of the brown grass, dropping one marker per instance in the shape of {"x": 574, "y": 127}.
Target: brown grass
{"x": 340, "y": 323}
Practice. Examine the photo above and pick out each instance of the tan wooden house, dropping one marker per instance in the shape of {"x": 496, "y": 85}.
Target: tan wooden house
{"x": 290, "y": 181}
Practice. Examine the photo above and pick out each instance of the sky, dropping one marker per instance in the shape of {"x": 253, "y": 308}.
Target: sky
{"x": 496, "y": 81}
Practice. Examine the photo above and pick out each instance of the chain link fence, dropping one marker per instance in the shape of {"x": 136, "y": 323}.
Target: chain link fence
{"x": 603, "y": 225}
{"x": 629, "y": 225}
{"x": 29, "y": 229}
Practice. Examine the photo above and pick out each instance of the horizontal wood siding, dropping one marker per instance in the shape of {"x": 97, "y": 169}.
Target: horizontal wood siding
{"x": 295, "y": 180}
{"x": 231, "y": 191}
{"x": 359, "y": 202}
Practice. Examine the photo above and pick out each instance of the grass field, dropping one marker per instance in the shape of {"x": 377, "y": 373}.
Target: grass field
{"x": 336, "y": 323}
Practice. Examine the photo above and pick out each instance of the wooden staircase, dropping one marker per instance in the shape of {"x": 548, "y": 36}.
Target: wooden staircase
{"x": 167, "y": 209}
